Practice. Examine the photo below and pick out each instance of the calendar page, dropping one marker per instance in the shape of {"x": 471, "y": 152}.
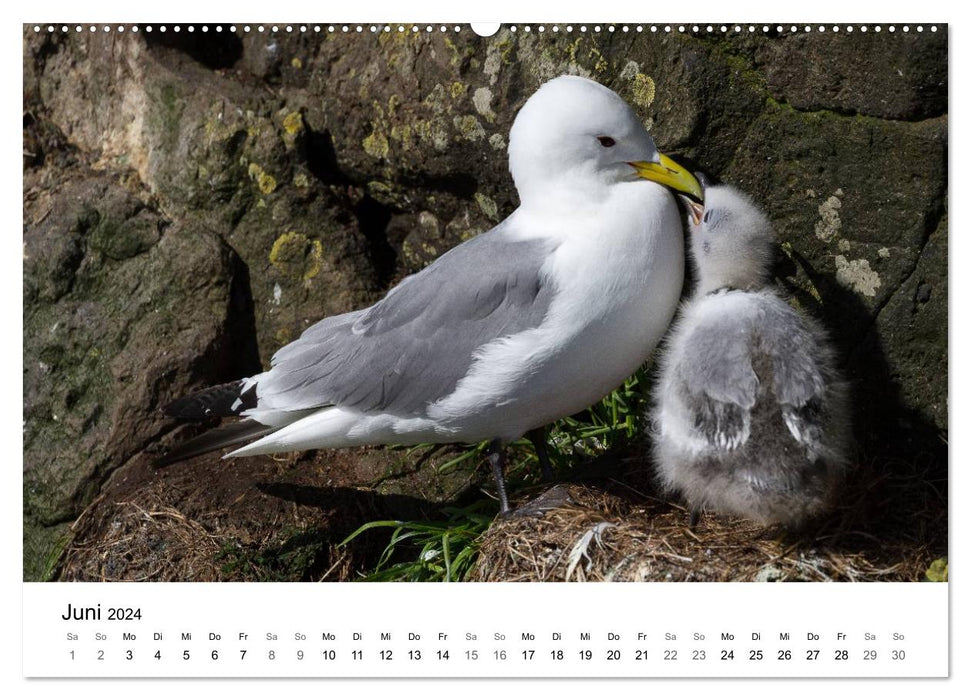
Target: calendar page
{"x": 520, "y": 350}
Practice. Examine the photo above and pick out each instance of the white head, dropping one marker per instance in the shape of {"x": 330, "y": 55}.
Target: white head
{"x": 574, "y": 135}
{"x": 731, "y": 241}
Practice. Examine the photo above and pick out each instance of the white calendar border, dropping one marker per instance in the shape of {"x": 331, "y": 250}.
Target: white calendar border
{"x": 507, "y": 10}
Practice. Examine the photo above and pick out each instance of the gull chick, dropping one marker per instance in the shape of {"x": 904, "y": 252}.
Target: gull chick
{"x": 750, "y": 415}
{"x": 522, "y": 325}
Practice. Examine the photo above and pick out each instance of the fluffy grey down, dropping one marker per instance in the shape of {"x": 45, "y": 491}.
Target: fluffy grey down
{"x": 768, "y": 405}
{"x": 751, "y": 413}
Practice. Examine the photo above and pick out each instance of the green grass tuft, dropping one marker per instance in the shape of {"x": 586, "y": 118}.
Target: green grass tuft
{"x": 446, "y": 550}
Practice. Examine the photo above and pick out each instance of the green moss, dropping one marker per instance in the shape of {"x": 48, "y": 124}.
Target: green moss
{"x": 169, "y": 96}
{"x": 60, "y": 543}
{"x": 741, "y": 72}
{"x": 43, "y": 547}
{"x": 295, "y": 555}
{"x": 123, "y": 240}
{"x": 169, "y": 115}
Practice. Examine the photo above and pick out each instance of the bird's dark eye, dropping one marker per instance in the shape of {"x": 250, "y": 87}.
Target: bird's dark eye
{"x": 706, "y": 216}
{"x": 606, "y": 141}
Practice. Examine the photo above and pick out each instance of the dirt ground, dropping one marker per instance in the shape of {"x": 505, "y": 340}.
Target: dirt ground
{"x": 253, "y": 519}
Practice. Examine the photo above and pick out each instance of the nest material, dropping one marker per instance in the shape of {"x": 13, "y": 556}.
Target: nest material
{"x": 624, "y": 532}
{"x": 183, "y": 525}
{"x": 143, "y": 540}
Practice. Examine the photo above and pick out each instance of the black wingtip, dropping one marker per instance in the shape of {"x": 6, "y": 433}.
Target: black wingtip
{"x": 215, "y": 439}
{"x": 220, "y": 401}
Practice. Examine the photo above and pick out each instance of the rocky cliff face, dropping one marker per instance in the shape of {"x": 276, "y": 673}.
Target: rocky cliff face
{"x": 194, "y": 201}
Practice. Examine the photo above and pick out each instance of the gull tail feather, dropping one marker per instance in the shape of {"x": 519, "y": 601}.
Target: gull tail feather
{"x": 328, "y": 427}
{"x": 217, "y": 438}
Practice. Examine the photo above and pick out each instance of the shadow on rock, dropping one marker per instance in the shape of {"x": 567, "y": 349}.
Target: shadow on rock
{"x": 358, "y": 505}
{"x": 896, "y": 495}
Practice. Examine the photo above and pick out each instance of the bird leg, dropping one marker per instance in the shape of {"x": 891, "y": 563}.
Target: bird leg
{"x": 497, "y": 460}
{"x": 537, "y": 436}
{"x": 694, "y": 518}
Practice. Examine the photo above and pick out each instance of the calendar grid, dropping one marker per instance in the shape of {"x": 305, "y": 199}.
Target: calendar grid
{"x": 481, "y": 630}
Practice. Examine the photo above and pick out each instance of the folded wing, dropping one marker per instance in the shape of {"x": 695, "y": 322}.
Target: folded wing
{"x": 720, "y": 385}
{"x": 412, "y": 348}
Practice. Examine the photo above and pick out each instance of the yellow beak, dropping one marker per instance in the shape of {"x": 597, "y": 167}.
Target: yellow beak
{"x": 670, "y": 174}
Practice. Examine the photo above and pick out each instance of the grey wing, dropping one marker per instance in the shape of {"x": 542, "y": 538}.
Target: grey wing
{"x": 719, "y": 382}
{"x": 803, "y": 368}
{"x": 412, "y": 347}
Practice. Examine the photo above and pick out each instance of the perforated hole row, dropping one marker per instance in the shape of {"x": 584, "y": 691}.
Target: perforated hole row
{"x": 540, "y": 28}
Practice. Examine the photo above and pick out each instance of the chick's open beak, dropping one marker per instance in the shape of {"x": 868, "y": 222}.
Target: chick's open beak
{"x": 668, "y": 173}
{"x": 694, "y": 209}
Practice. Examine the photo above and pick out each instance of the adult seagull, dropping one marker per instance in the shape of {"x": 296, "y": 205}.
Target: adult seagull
{"x": 532, "y": 321}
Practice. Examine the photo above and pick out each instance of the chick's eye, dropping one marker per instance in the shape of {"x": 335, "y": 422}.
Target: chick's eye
{"x": 706, "y": 216}
{"x": 606, "y": 141}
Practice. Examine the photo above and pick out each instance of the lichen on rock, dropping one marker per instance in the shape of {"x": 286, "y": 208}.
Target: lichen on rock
{"x": 297, "y": 256}
{"x": 857, "y": 275}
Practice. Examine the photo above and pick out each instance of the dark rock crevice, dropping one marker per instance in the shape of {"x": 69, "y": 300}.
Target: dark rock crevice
{"x": 321, "y": 158}
{"x": 213, "y": 49}
{"x": 372, "y": 220}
